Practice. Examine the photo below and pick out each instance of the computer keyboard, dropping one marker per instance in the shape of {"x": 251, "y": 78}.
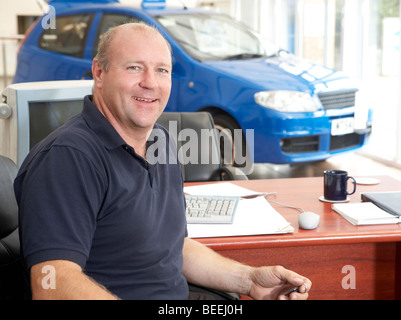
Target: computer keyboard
{"x": 210, "y": 209}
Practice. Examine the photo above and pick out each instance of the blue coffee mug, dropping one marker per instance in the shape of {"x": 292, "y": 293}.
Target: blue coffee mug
{"x": 335, "y": 185}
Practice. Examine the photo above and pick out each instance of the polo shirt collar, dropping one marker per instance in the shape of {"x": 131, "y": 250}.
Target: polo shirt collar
{"x": 103, "y": 129}
{"x": 100, "y": 125}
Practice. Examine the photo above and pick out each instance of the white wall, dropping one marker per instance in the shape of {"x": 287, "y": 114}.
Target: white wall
{"x": 11, "y": 9}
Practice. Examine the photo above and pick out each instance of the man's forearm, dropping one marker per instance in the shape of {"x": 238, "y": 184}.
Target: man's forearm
{"x": 70, "y": 283}
{"x": 203, "y": 266}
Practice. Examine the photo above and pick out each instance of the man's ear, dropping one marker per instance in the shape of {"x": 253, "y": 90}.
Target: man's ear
{"x": 97, "y": 72}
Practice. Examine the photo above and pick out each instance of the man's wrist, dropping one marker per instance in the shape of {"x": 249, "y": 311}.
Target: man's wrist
{"x": 245, "y": 283}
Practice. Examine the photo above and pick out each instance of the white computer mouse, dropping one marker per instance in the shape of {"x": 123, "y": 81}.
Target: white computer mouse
{"x": 308, "y": 220}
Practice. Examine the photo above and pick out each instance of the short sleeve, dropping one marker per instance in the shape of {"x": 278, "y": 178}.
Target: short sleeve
{"x": 60, "y": 197}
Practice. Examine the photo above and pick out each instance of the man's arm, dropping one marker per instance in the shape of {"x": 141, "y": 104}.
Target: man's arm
{"x": 70, "y": 283}
{"x": 203, "y": 266}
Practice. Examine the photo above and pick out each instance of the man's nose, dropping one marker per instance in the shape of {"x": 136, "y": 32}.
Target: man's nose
{"x": 148, "y": 80}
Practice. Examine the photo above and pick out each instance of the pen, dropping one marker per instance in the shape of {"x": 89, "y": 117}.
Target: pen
{"x": 252, "y": 196}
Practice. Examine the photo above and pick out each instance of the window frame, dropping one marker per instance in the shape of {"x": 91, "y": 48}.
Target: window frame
{"x": 49, "y": 32}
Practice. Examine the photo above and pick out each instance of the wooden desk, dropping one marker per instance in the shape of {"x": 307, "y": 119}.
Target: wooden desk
{"x": 323, "y": 254}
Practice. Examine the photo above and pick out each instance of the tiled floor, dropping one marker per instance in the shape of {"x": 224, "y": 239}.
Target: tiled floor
{"x": 356, "y": 164}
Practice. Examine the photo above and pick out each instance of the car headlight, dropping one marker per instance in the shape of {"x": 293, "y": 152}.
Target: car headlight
{"x": 286, "y": 101}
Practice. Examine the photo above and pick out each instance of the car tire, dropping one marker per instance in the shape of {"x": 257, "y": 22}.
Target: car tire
{"x": 231, "y": 154}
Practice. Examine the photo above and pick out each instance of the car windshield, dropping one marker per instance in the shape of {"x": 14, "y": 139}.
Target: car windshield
{"x": 215, "y": 37}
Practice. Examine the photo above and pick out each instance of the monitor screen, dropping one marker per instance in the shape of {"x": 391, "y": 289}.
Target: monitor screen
{"x": 35, "y": 110}
{"x": 45, "y": 117}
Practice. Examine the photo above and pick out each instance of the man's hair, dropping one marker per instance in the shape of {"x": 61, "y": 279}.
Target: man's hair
{"x": 105, "y": 40}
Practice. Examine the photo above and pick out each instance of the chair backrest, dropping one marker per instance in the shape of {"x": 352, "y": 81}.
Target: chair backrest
{"x": 11, "y": 276}
{"x": 197, "y": 141}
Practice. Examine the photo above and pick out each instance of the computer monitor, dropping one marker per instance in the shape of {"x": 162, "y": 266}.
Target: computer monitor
{"x": 32, "y": 110}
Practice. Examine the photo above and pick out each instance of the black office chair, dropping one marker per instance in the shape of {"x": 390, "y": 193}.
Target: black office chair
{"x": 11, "y": 275}
{"x": 210, "y": 170}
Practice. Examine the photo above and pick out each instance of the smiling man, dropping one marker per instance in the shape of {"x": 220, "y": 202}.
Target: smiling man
{"x": 132, "y": 86}
{"x": 97, "y": 220}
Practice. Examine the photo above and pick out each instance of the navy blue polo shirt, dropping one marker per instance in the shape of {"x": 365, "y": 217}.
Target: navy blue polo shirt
{"x": 84, "y": 195}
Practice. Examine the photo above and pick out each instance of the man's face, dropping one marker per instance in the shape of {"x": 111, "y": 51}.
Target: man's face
{"x": 137, "y": 86}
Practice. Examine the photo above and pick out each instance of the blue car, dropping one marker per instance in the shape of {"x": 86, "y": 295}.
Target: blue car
{"x": 288, "y": 110}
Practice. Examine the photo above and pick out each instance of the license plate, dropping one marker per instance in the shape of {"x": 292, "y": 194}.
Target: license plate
{"x": 342, "y": 126}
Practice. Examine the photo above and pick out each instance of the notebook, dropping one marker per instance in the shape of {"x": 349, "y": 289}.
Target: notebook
{"x": 388, "y": 201}
{"x": 364, "y": 213}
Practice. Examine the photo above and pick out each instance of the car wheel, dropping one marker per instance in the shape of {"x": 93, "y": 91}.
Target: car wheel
{"x": 232, "y": 145}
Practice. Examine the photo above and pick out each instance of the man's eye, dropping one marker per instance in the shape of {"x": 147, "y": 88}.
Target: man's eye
{"x": 162, "y": 70}
{"x": 133, "y": 68}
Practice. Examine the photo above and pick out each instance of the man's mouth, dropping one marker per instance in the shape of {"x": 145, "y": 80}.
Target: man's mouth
{"x": 144, "y": 99}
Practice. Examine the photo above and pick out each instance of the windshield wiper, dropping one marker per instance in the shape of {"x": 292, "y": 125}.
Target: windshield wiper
{"x": 243, "y": 56}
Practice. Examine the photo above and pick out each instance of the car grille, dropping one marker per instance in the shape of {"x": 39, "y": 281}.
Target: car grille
{"x": 338, "y": 99}
{"x": 346, "y": 141}
{"x": 311, "y": 143}
{"x": 300, "y": 144}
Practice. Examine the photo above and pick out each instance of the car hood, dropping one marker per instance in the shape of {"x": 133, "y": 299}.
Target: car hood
{"x": 280, "y": 72}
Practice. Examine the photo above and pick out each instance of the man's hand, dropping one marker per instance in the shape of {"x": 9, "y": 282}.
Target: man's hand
{"x": 205, "y": 267}
{"x": 272, "y": 282}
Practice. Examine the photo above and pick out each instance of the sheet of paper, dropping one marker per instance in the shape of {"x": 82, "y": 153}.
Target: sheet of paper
{"x": 253, "y": 217}
{"x": 220, "y": 189}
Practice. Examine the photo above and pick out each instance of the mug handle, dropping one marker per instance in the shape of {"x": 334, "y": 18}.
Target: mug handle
{"x": 353, "y": 179}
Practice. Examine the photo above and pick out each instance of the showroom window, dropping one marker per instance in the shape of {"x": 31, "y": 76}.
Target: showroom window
{"x": 360, "y": 37}
{"x": 321, "y": 36}
{"x": 363, "y": 39}
{"x": 381, "y": 76}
